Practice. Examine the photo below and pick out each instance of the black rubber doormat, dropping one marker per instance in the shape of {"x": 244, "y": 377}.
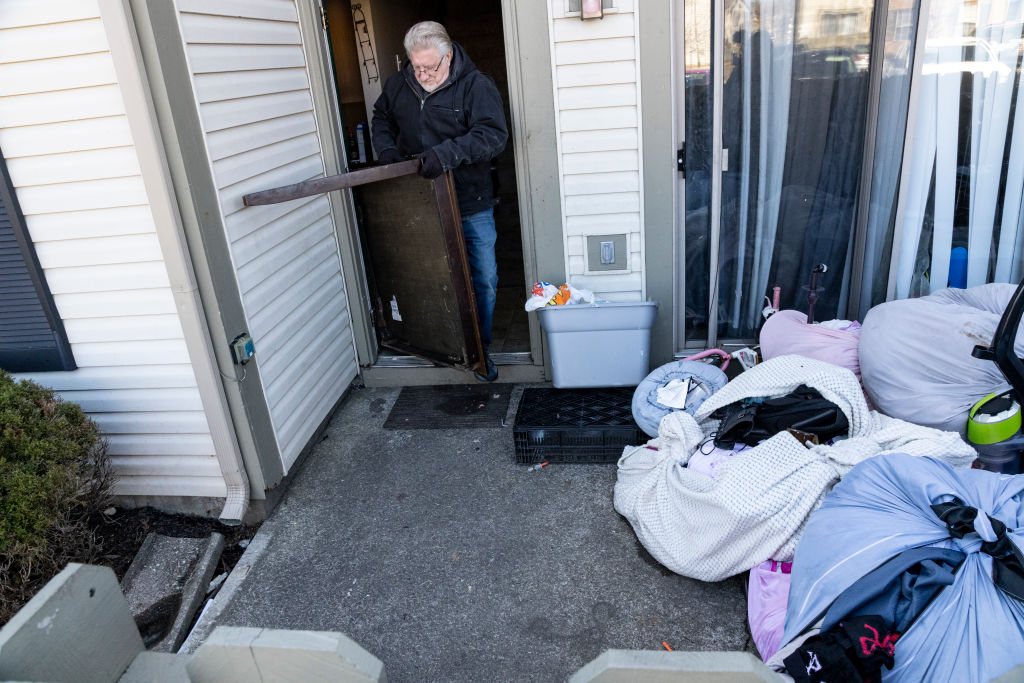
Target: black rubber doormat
{"x": 458, "y": 406}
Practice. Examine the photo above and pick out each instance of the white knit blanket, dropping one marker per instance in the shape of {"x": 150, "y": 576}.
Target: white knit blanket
{"x": 755, "y": 510}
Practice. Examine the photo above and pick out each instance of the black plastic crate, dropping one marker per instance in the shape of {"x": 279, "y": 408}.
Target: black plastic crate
{"x": 575, "y": 425}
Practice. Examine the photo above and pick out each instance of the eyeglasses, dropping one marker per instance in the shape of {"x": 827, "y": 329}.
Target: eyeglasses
{"x": 430, "y": 70}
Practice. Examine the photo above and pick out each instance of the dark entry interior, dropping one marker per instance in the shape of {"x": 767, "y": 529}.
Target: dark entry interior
{"x": 366, "y": 42}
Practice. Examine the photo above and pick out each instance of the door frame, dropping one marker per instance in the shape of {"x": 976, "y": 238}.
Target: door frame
{"x": 531, "y": 101}
{"x": 660, "y": 140}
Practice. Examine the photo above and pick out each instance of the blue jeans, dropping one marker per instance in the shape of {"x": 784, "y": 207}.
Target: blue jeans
{"x": 480, "y": 236}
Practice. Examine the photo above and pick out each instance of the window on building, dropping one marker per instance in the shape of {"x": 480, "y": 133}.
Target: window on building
{"x": 32, "y": 337}
{"x": 840, "y": 23}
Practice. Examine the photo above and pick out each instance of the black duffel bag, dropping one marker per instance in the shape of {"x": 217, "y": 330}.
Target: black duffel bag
{"x": 803, "y": 410}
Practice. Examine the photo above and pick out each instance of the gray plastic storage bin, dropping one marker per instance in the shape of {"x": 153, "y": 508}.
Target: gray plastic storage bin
{"x": 602, "y": 344}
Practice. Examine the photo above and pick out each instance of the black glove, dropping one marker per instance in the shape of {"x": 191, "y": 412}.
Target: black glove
{"x": 389, "y": 156}
{"x": 431, "y": 166}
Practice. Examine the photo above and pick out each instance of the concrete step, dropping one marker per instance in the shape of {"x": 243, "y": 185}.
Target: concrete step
{"x": 166, "y": 584}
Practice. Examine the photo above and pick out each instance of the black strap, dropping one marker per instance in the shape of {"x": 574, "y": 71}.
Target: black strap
{"x": 1007, "y": 559}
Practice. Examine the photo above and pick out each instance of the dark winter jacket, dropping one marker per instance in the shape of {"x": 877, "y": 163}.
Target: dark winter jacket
{"x": 463, "y": 121}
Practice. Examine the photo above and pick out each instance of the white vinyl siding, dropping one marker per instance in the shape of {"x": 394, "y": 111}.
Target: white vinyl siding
{"x": 597, "y": 104}
{"x": 65, "y": 136}
{"x": 252, "y": 90}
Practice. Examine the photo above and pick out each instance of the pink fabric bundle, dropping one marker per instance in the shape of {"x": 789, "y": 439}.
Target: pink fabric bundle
{"x": 788, "y": 332}
{"x": 767, "y": 598}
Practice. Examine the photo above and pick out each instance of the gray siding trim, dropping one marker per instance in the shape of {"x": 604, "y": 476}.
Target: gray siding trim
{"x": 528, "y": 56}
{"x": 49, "y": 350}
{"x": 659, "y": 168}
{"x": 170, "y": 80}
{"x": 325, "y": 105}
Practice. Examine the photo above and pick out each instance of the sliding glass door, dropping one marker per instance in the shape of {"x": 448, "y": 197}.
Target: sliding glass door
{"x": 793, "y": 100}
{"x": 887, "y": 148}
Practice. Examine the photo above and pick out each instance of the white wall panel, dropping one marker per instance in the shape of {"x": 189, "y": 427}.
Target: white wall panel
{"x": 171, "y": 485}
{"x": 238, "y": 225}
{"x": 259, "y": 9}
{"x": 281, "y": 281}
{"x": 216, "y": 86}
{"x": 118, "y": 220}
{"x": 599, "y": 140}
{"x": 74, "y": 166}
{"x": 297, "y": 247}
{"x": 66, "y": 136}
{"x": 125, "y": 328}
{"x": 239, "y": 139}
{"x": 132, "y": 302}
{"x": 148, "y": 352}
{"x": 601, "y": 162}
{"x": 266, "y": 318}
{"x": 53, "y": 106}
{"x": 48, "y": 40}
{"x": 604, "y": 224}
{"x": 99, "y": 250}
{"x": 591, "y": 96}
{"x": 261, "y": 240}
{"x": 132, "y": 400}
{"x": 168, "y": 422}
{"x": 594, "y": 183}
{"x": 160, "y": 453}
{"x": 598, "y": 119}
{"x": 221, "y": 114}
{"x": 106, "y": 278}
{"x": 297, "y": 171}
{"x": 60, "y": 73}
{"x": 118, "y": 377}
{"x": 594, "y": 51}
{"x": 616, "y": 25}
{"x": 597, "y": 100}
{"x": 107, "y": 193}
{"x": 219, "y": 58}
{"x": 220, "y": 30}
{"x": 76, "y": 173}
{"x": 251, "y": 163}
{"x": 595, "y": 204}
{"x": 20, "y": 13}
{"x": 604, "y": 73}
{"x": 252, "y": 91}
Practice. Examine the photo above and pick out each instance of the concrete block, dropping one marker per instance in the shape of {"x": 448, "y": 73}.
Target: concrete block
{"x": 1014, "y": 675}
{"x": 166, "y": 584}
{"x": 77, "y": 628}
{"x": 245, "y": 654}
{"x": 655, "y": 666}
{"x": 225, "y": 657}
{"x": 157, "y": 667}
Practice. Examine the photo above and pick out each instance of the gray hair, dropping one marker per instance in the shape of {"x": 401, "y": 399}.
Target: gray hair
{"x": 425, "y": 35}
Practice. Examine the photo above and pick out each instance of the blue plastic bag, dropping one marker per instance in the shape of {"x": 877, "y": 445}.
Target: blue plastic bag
{"x": 972, "y": 630}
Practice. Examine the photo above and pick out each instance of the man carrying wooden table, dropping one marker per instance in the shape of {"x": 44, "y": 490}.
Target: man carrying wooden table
{"x": 440, "y": 109}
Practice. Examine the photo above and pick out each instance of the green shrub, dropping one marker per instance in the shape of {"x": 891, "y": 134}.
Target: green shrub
{"x": 55, "y": 479}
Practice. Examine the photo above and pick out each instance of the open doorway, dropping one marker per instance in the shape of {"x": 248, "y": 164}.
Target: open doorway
{"x": 366, "y": 45}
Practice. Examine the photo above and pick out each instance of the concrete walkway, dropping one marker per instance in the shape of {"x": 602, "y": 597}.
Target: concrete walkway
{"x": 436, "y": 553}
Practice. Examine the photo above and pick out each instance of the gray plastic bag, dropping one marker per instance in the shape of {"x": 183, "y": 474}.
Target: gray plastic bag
{"x": 915, "y": 354}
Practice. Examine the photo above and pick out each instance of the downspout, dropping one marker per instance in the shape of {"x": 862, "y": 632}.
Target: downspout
{"x": 197, "y": 337}
{"x": 156, "y": 176}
